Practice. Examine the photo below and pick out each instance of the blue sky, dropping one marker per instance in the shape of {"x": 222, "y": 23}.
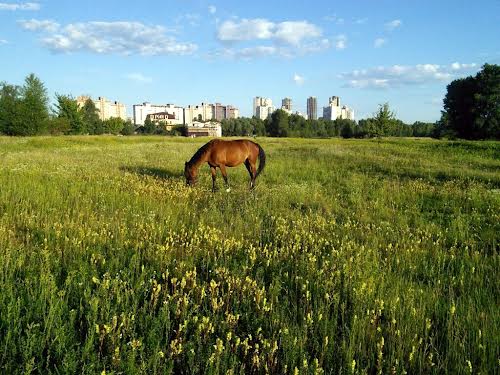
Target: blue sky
{"x": 189, "y": 51}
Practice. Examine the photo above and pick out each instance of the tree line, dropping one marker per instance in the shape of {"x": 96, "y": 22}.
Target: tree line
{"x": 25, "y": 111}
{"x": 281, "y": 124}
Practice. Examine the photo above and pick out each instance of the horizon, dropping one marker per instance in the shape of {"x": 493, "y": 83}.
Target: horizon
{"x": 215, "y": 51}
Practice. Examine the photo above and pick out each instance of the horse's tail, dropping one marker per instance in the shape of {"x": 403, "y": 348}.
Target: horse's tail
{"x": 262, "y": 160}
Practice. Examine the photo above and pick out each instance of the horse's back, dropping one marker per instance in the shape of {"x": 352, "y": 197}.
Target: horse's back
{"x": 232, "y": 152}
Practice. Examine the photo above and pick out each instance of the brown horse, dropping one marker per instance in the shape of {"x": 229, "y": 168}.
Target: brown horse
{"x": 222, "y": 154}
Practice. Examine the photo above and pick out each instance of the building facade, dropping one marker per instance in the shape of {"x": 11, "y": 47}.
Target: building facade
{"x": 335, "y": 111}
{"x": 286, "y": 105}
{"x": 204, "y": 129}
{"x": 105, "y": 108}
{"x": 262, "y": 107}
{"x": 312, "y": 108}
{"x": 142, "y": 111}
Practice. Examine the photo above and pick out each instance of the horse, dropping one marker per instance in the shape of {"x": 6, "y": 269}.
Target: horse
{"x": 220, "y": 153}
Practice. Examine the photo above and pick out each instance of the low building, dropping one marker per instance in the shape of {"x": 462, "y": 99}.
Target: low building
{"x": 105, "y": 108}
{"x": 204, "y": 129}
{"x": 145, "y": 110}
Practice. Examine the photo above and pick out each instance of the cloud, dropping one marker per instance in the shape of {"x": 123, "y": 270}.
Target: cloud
{"x": 39, "y": 25}
{"x": 360, "y": 21}
{"x": 212, "y": 9}
{"x": 393, "y": 25}
{"x": 3, "y": 41}
{"x": 299, "y": 80}
{"x": 124, "y": 38}
{"x": 139, "y": 78}
{"x": 249, "y": 53}
{"x": 403, "y": 75}
{"x": 288, "y": 32}
{"x": 340, "y": 42}
{"x": 379, "y": 42}
{"x": 287, "y": 39}
{"x": 19, "y": 6}
{"x": 334, "y": 18}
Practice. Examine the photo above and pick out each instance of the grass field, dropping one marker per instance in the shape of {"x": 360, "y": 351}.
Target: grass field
{"x": 351, "y": 256}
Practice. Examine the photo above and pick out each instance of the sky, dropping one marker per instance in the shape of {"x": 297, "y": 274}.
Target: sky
{"x": 192, "y": 51}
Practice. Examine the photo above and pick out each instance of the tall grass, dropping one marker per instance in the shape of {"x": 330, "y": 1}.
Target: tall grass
{"x": 351, "y": 256}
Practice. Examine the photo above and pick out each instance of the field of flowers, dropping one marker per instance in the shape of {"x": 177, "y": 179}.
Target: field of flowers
{"x": 351, "y": 256}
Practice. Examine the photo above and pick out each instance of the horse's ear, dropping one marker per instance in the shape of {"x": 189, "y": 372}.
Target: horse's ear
{"x": 185, "y": 163}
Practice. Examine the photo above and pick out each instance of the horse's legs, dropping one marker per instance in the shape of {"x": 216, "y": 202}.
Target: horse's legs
{"x": 213, "y": 170}
{"x": 252, "y": 171}
{"x": 222, "y": 168}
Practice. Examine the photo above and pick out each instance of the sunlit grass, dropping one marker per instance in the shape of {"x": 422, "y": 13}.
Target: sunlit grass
{"x": 351, "y": 256}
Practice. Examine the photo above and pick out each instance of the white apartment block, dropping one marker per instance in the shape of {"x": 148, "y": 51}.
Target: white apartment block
{"x": 262, "y": 107}
{"x": 335, "y": 111}
{"x": 105, "y": 108}
{"x": 142, "y": 111}
{"x": 203, "y": 112}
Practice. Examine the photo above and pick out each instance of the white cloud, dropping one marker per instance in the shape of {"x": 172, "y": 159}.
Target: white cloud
{"x": 334, "y": 18}
{"x": 341, "y": 42}
{"x": 212, "y": 9}
{"x": 288, "y": 39}
{"x": 457, "y": 66}
{"x": 3, "y": 41}
{"x": 249, "y": 53}
{"x": 124, "y": 38}
{"x": 392, "y": 25}
{"x": 379, "y": 42}
{"x": 139, "y": 78}
{"x": 401, "y": 75}
{"x": 19, "y": 6}
{"x": 288, "y": 32}
{"x": 360, "y": 21}
{"x": 245, "y": 30}
{"x": 39, "y": 25}
{"x": 299, "y": 80}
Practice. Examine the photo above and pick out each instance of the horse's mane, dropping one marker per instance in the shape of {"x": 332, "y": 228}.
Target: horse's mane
{"x": 198, "y": 154}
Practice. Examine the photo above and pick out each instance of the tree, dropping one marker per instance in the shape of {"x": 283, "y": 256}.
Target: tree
{"x": 278, "y": 124}
{"x": 90, "y": 117}
{"x": 10, "y": 109}
{"x": 458, "y": 105}
{"x": 67, "y": 108}
{"x": 149, "y": 127}
{"x": 34, "y": 107}
{"x": 383, "y": 121}
{"x": 487, "y": 103}
{"x": 472, "y": 106}
{"x": 114, "y": 125}
{"x": 128, "y": 128}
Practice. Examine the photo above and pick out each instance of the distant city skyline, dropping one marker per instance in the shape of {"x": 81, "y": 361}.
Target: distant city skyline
{"x": 368, "y": 53}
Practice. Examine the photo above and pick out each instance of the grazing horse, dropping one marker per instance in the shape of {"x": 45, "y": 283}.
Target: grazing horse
{"x": 222, "y": 154}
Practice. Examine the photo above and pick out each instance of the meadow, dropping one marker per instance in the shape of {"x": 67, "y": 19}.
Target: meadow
{"x": 350, "y": 257}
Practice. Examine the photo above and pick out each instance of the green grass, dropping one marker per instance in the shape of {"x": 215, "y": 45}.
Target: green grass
{"x": 351, "y": 256}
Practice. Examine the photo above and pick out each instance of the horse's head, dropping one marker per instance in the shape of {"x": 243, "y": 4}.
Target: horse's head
{"x": 190, "y": 174}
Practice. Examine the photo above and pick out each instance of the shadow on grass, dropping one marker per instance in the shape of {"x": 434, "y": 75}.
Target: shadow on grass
{"x": 160, "y": 173}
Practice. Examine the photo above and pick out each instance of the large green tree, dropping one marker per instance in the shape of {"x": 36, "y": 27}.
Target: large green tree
{"x": 472, "y": 106}
{"x": 90, "y": 117}
{"x": 278, "y": 124}
{"x": 67, "y": 108}
{"x": 34, "y": 107}
{"x": 10, "y": 109}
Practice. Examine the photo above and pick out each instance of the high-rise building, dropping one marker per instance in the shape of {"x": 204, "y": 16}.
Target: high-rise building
{"x": 335, "y": 111}
{"x": 166, "y": 112}
{"x": 262, "y": 107}
{"x": 312, "y": 108}
{"x": 105, "y": 108}
{"x": 286, "y": 105}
